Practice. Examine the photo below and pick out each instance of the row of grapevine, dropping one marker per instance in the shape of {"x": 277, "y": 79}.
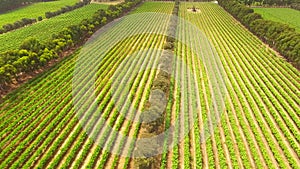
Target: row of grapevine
{"x": 48, "y": 133}
{"x": 12, "y": 40}
{"x": 41, "y": 127}
{"x": 281, "y": 113}
{"x": 253, "y": 126}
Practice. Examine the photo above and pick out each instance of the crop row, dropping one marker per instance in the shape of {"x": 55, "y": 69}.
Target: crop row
{"x": 12, "y": 40}
{"x": 233, "y": 51}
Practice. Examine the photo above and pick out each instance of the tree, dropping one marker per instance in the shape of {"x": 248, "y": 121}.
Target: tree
{"x": 33, "y": 45}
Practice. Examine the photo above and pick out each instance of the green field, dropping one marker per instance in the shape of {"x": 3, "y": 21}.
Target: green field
{"x": 152, "y": 6}
{"x": 258, "y": 126}
{"x": 33, "y": 11}
{"x": 283, "y": 15}
{"x": 43, "y": 30}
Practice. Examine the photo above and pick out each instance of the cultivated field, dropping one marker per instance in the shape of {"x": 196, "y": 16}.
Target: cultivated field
{"x": 55, "y": 135}
{"x": 44, "y": 30}
{"x": 283, "y": 15}
{"x": 34, "y": 10}
{"x": 258, "y": 127}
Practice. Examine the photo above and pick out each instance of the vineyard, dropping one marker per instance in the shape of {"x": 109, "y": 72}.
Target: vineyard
{"x": 233, "y": 102}
{"x": 33, "y": 11}
{"x": 260, "y": 127}
{"x": 12, "y": 40}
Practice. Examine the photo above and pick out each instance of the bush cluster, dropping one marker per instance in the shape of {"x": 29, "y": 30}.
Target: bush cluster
{"x": 6, "y": 5}
{"x": 279, "y": 36}
{"x": 268, "y": 2}
{"x": 18, "y": 24}
{"x": 33, "y": 54}
{"x": 159, "y": 93}
{"x": 27, "y": 21}
{"x": 67, "y": 9}
{"x": 171, "y": 32}
{"x": 295, "y": 6}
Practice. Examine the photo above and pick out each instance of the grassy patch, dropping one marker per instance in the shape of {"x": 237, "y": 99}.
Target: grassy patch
{"x": 283, "y": 15}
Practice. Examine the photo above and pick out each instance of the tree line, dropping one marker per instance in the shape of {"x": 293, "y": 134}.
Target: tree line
{"x": 67, "y": 9}
{"x": 160, "y": 94}
{"x": 18, "y": 24}
{"x": 6, "y": 5}
{"x": 27, "y": 21}
{"x": 295, "y": 6}
{"x": 279, "y": 36}
{"x": 270, "y": 2}
{"x": 33, "y": 54}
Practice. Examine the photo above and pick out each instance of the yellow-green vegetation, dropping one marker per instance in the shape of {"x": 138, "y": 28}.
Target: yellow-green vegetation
{"x": 33, "y": 10}
{"x": 58, "y": 137}
{"x": 152, "y": 6}
{"x": 258, "y": 126}
{"x": 44, "y": 30}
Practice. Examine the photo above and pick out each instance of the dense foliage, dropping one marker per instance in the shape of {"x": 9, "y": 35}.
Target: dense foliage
{"x": 12, "y": 40}
{"x": 27, "y": 21}
{"x": 33, "y": 10}
{"x": 270, "y": 2}
{"x": 18, "y": 24}
{"x": 295, "y": 6}
{"x": 281, "y": 15}
{"x": 65, "y": 137}
{"x": 258, "y": 129}
{"x": 279, "y": 36}
{"x": 67, "y": 8}
{"x": 6, "y": 5}
{"x": 162, "y": 82}
{"x": 33, "y": 54}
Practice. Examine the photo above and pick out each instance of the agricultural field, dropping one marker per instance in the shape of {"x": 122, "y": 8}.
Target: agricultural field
{"x": 283, "y": 15}
{"x": 57, "y": 137}
{"x": 43, "y": 30}
{"x": 260, "y": 127}
{"x": 50, "y": 122}
{"x": 34, "y": 10}
{"x": 107, "y": 2}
